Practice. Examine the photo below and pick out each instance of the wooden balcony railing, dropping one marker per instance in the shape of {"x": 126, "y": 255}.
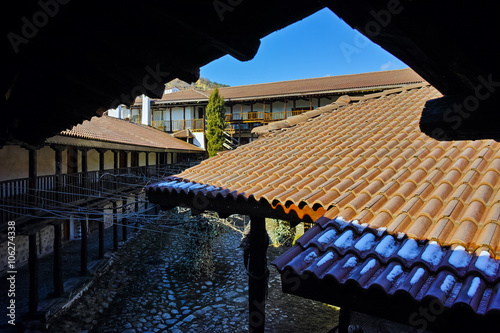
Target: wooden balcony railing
{"x": 261, "y": 116}
{"x": 195, "y": 125}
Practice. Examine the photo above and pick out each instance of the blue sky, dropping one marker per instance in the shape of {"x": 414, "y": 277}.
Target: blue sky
{"x": 320, "y": 45}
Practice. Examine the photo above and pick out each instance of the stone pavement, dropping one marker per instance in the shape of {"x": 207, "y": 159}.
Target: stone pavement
{"x": 144, "y": 292}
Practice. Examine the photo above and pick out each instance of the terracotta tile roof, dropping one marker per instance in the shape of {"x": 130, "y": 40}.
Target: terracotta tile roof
{"x": 335, "y": 255}
{"x": 369, "y": 161}
{"x": 305, "y": 86}
{"x": 110, "y": 129}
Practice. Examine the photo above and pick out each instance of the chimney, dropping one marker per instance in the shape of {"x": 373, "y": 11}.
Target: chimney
{"x": 146, "y": 111}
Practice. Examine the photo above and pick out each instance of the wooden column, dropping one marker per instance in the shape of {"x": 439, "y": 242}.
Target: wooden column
{"x": 84, "y": 170}
{"x": 116, "y": 159}
{"x": 171, "y": 122}
{"x": 58, "y": 162}
{"x": 84, "y": 247}
{"x": 257, "y": 274}
{"x": 344, "y": 320}
{"x": 184, "y": 117}
{"x": 57, "y": 273}
{"x": 72, "y": 160}
{"x": 33, "y": 274}
{"x": 101, "y": 159}
{"x": 85, "y": 166}
{"x": 32, "y": 173}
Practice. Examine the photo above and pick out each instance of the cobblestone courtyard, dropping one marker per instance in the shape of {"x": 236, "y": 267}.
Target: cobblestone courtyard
{"x": 143, "y": 292}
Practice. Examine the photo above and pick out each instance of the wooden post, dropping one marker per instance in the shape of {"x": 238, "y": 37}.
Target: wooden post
{"x": 344, "y": 320}
{"x": 32, "y": 174}
{"x": 84, "y": 161}
{"x": 101, "y": 159}
{"x": 58, "y": 162}
{"x": 33, "y": 273}
{"x": 116, "y": 160}
{"x": 184, "y": 117}
{"x": 57, "y": 273}
{"x": 257, "y": 274}
{"x": 84, "y": 247}
{"x": 115, "y": 226}
{"x": 171, "y": 122}
{"x": 84, "y": 184}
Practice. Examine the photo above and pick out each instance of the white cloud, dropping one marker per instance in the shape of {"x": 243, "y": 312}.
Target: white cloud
{"x": 388, "y": 65}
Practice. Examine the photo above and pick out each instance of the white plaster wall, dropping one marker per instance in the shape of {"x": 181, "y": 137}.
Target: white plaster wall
{"x": 109, "y": 160}
{"x": 280, "y": 106}
{"x": 92, "y": 160}
{"x": 157, "y": 115}
{"x": 302, "y": 104}
{"x": 177, "y": 113}
{"x": 152, "y": 159}
{"x": 199, "y": 139}
{"x": 13, "y": 163}
{"x": 46, "y": 162}
{"x": 142, "y": 159}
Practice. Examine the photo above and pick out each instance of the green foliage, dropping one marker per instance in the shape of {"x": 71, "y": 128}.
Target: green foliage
{"x": 197, "y": 260}
{"x": 216, "y": 123}
{"x": 281, "y": 232}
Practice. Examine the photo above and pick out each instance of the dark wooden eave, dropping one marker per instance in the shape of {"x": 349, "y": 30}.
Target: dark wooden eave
{"x": 68, "y": 61}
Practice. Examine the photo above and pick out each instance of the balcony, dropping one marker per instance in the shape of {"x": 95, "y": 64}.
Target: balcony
{"x": 261, "y": 116}
{"x": 195, "y": 125}
{"x": 48, "y": 195}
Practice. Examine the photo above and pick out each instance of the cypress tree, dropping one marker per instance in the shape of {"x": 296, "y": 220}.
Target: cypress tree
{"x": 216, "y": 123}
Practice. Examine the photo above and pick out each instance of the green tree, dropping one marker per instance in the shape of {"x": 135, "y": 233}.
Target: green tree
{"x": 216, "y": 123}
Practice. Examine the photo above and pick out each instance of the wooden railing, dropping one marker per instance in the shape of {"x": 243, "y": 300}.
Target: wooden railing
{"x": 262, "y": 116}
{"x": 19, "y": 198}
{"x": 196, "y": 125}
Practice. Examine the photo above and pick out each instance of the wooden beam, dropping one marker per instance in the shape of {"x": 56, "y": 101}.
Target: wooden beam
{"x": 258, "y": 274}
